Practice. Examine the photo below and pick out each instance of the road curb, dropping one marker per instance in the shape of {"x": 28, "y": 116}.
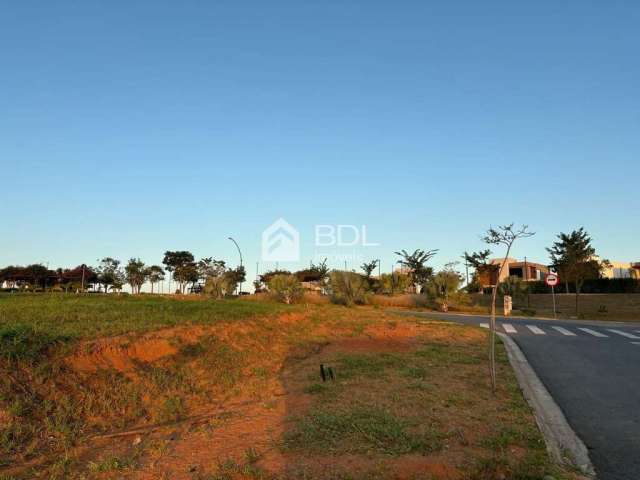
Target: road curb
{"x": 562, "y": 442}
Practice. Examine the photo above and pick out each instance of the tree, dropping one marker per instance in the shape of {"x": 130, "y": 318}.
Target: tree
{"x": 238, "y": 274}
{"x": 185, "y": 274}
{"x": 369, "y": 267}
{"x": 388, "y": 283}
{"x": 77, "y": 278}
{"x": 478, "y": 259}
{"x": 109, "y": 273}
{"x": 209, "y": 267}
{"x": 415, "y": 262}
{"x": 443, "y": 285}
{"x": 37, "y": 275}
{"x": 266, "y": 277}
{"x": 506, "y": 236}
{"x": 181, "y": 265}
{"x": 135, "y": 274}
{"x": 155, "y": 274}
{"x": 480, "y": 263}
{"x": 573, "y": 257}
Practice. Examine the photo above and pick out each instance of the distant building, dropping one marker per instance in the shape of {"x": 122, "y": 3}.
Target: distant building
{"x": 524, "y": 270}
{"x": 622, "y": 270}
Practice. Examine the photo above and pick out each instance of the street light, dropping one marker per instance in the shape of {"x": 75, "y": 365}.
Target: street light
{"x": 240, "y": 253}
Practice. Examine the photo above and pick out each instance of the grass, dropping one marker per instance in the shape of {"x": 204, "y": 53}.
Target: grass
{"x": 422, "y": 399}
{"x": 359, "y": 429}
{"x": 43, "y": 319}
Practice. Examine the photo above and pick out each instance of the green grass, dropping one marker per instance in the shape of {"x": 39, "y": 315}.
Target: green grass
{"x": 359, "y": 429}
{"x": 31, "y": 323}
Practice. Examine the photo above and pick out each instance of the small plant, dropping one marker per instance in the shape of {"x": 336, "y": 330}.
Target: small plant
{"x": 172, "y": 410}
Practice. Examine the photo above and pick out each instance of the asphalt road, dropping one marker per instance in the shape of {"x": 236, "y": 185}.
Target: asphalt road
{"x": 592, "y": 369}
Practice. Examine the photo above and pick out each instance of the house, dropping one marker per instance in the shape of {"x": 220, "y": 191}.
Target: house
{"x": 524, "y": 270}
{"x": 622, "y": 270}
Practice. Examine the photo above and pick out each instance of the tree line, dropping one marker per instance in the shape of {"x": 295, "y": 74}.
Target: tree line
{"x": 110, "y": 275}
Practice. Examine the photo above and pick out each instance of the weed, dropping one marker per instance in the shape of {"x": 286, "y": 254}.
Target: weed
{"x": 172, "y": 410}
{"x": 357, "y": 430}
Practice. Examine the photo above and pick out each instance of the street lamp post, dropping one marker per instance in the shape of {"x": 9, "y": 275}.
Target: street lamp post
{"x": 239, "y": 253}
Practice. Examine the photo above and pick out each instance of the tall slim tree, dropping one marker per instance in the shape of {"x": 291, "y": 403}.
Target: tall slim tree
{"x": 574, "y": 258}
{"x": 505, "y": 236}
{"x": 135, "y": 274}
{"x": 155, "y": 274}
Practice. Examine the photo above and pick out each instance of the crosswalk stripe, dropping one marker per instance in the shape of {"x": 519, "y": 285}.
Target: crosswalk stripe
{"x": 484, "y": 325}
{"x": 509, "y": 328}
{"x": 624, "y": 334}
{"x": 535, "y": 330}
{"x": 635, "y": 343}
{"x": 593, "y": 332}
{"x": 564, "y": 331}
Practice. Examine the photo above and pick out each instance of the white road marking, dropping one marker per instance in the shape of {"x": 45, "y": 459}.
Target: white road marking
{"x": 509, "y": 328}
{"x": 535, "y": 330}
{"x": 635, "y": 343}
{"x": 624, "y": 334}
{"x": 593, "y": 332}
{"x": 484, "y": 325}
{"x": 564, "y": 331}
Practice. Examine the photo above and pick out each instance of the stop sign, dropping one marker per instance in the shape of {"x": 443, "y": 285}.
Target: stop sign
{"x": 552, "y": 280}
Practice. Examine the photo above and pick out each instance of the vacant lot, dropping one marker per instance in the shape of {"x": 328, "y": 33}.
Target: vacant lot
{"x": 147, "y": 388}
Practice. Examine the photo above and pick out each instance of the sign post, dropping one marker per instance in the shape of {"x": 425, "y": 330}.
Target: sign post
{"x": 552, "y": 281}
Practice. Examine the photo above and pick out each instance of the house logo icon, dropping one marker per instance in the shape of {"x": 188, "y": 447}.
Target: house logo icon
{"x": 280, "y": 242}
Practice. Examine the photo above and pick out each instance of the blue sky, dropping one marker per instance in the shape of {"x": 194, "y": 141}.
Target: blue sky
{"x": 130, "y": 128}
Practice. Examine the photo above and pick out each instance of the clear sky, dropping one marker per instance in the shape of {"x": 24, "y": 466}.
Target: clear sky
{"x": 130, "y": 128}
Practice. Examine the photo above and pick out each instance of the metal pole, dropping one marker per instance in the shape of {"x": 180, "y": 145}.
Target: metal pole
{"x": 526, "y": 278}
{"x": 240, "y": 253}
{"x": 83, "y": 278}
{"x": 553, "y": 295}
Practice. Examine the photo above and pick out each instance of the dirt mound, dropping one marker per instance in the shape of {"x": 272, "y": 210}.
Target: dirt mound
{"x": 120, "y": 357}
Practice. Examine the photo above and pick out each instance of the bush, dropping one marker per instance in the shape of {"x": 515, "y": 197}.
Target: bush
{"x": 348, "y": 288}
{"x": 221, "y": 285}
{"x": 286, "y": 288}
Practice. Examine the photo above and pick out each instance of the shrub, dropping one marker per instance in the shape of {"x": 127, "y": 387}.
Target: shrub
{"x": 348, "y": 288}
{"x": 221, "y": 285}
{"x": 286, "y": 288}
